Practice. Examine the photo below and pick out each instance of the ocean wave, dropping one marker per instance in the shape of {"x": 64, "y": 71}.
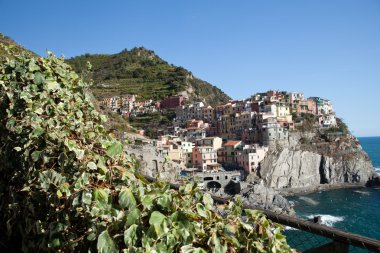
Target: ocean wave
{"x": 326, "y": 219}
{"x": 309, "y": 200}
{"x": 377, "y": 170}
{"x": 362, "y": 192}
{"x": 290, "y": 228}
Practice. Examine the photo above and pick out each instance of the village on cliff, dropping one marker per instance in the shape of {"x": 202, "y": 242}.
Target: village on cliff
{"x": 228, "y": 140}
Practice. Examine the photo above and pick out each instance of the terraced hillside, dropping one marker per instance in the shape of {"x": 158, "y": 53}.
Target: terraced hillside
{"x": 140, "y": 71}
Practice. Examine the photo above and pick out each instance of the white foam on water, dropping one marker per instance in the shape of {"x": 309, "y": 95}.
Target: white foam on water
{"x": 377, "y": 170}
{"x": 326, "y": 219}
{"x": 362, "y": 192}
{"x": 309, "y": 200}
{"x": 290, "y": 228}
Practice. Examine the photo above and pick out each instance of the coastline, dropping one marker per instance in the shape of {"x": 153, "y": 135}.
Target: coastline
{"x": 321, "y": 187}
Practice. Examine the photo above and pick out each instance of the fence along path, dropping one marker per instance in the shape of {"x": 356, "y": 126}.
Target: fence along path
{"x": 341, "y": 241}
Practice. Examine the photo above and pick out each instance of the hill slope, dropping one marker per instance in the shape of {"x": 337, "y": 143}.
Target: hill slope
{"x": 16, "y": 48}
{"x": 140, "y": 71}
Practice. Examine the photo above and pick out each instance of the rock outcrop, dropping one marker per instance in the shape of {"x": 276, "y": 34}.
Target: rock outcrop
{"x": 265, "y": 198}
{"x": 309, "y": 161}
{"x": 152, "y": 164}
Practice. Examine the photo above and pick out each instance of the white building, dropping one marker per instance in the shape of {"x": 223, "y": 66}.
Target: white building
{"x": 327, "y": 121}
{"x": 296, "y": 96}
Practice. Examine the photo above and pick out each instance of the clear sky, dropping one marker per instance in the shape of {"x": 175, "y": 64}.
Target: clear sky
{"x": 326, "y": 48}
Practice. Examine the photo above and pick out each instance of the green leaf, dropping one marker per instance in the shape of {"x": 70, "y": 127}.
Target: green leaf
{"x": 189, "y": 188}
{"x": 39, "y": 111}
{"x": 37, "y": 132}
{"x": 130, "y": 235}
{"x": 91, "y": 166}
{"x": 147, "y": 201}
{"x": 208, "y": 201}
{"x": 79, "y": 153}
{"x": 126, "y": 198}
{"x": 156, "y": 218}
{"x": 36, "y": 155}
{"x": 101, "y": 197}
{"x": 91, "y": 237}
{"x": 39, "y": 78}
{"x": 201, "y": 210}
{"x": 52, "y": 85}
{"x": 33, "y": 67}
{"x": 115, "y": 149}
{"x": 133, "y": 216}
{"x": 165, "y": 200}
{"x": 55, "y": 243}
{"x": 218, "y": 247}
{"x": 106, "y": 244}
{"x": 191, "y": 249}
{"x": 86, "y": 197}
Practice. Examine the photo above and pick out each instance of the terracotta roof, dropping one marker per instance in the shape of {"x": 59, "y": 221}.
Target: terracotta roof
{"x": 193, "y": 128}
{"x": 232, "y": 143}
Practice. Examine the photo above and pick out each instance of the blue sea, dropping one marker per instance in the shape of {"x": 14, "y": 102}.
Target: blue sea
{"x": 353, "y": 210}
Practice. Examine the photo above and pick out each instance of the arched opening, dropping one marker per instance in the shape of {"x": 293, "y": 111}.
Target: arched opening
{"x": 213, "y": 186}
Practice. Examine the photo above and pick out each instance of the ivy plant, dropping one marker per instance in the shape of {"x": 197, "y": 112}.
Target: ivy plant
{"x": 66, "y": 184}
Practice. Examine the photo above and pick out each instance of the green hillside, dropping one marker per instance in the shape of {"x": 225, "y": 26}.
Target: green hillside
{"x": 140, "y": 71}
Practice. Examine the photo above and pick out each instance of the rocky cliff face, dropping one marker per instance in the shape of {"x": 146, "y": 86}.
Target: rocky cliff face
{"x": 153, "y": 164}
{"x": 308, "y": 161}
{"x": 265, "y": 198}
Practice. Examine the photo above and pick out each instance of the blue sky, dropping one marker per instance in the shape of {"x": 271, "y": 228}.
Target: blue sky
{"x": 326, "y": 48}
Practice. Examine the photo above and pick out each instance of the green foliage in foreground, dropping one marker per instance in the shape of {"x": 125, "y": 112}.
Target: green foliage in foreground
{"x": 65, "y": 185}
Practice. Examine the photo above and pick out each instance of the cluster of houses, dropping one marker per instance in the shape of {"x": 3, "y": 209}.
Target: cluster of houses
{"x": 238, "y": 134}
{"x": 127, "y": 105}
{"x": 212, "y": 154}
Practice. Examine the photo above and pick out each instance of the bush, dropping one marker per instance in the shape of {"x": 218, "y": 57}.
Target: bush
{"x": 66, "y": 184}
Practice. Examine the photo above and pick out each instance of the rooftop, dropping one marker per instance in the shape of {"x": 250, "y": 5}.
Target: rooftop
{"x": 231, "y": 143}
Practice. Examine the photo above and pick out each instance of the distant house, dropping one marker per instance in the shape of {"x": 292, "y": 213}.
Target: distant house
{"x": 272, "y": 131}
{"x": 171, "y": 102}
{"x": 327, "y": 121}
{"x": 324, "y": 106}
{"x": 229, "y": 151}
{"x": 250, "y": 157}
{"x": 214, "y": 142}
{"x": 203, "y": 157}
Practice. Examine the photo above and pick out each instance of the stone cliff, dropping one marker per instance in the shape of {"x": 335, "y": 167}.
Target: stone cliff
{"x": 149, "y": 161}
{"x": 310, "y": 160}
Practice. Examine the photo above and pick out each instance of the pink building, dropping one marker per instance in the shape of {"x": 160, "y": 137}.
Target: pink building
{"x": 204, "y": 156}
{"x": 250, "y": 157}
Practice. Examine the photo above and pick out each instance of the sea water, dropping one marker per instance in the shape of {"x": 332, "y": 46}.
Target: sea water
{"x": 354, "y": 210}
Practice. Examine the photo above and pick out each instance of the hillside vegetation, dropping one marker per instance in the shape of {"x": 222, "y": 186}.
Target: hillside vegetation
{"x": 140, "y": 71}
{"x": 8, "y": 42}
{"x": 66, "y": 184}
